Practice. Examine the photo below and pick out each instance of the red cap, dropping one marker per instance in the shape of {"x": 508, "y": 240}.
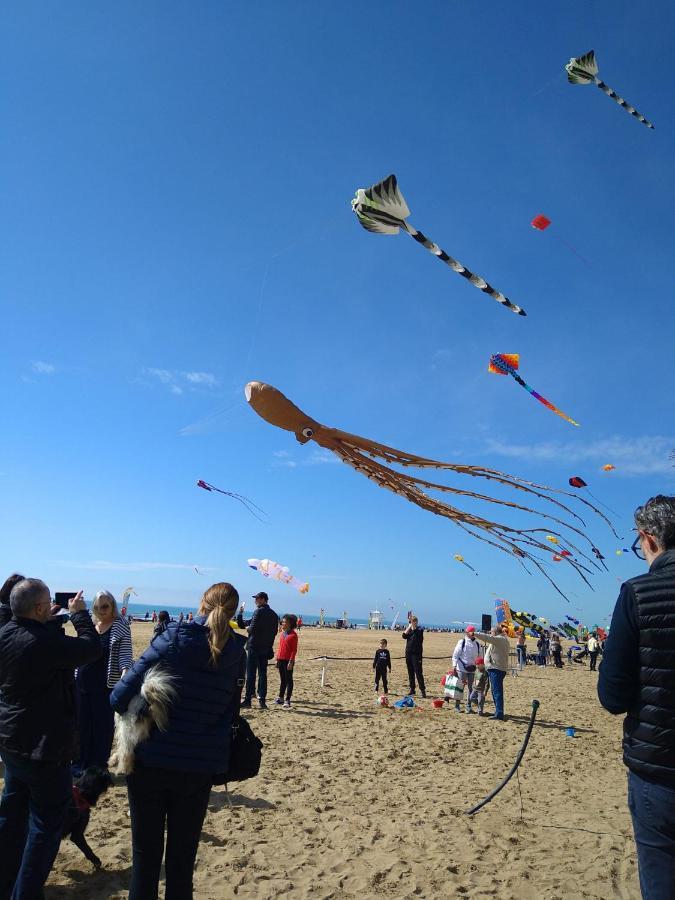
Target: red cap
{"x": 470, "y": 628}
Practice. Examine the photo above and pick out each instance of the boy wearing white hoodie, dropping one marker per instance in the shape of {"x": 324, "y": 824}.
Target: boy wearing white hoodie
{"x": 464, "y": 663}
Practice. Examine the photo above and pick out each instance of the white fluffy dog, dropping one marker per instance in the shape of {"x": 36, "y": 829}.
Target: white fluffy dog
{"x": 149, "y": 709}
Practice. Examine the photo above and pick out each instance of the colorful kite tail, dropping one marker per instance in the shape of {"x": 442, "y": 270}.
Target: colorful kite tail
{"x": 456, "y": 266}
{"x": 631, "y": 109}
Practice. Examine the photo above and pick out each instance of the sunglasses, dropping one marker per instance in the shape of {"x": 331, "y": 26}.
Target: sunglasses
{"x": 637, "y": 549}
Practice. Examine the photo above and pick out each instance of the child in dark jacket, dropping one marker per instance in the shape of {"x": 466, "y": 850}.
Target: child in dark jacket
{"x": 288, "y": 649}
{"x": 382, "y": 664}
{"x": 480, "y": 686}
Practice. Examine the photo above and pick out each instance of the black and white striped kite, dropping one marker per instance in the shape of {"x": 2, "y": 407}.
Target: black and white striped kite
{"x": 382, "y": 210}
{"x": 584, "y": 70}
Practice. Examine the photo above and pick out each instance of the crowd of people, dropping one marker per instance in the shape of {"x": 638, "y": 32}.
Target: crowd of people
{"x": 58, "y": 693}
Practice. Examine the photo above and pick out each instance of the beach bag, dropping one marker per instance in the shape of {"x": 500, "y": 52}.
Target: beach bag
{"x": 453, "y": 687}
{"x": 245, "y": 754}
{"x": 404, "y": 703}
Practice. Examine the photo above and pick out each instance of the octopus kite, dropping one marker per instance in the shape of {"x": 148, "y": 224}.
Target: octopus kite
{"x": 382, "y": 210}
{"x": 584, "y": 70}
{"x": 363, "y": 454}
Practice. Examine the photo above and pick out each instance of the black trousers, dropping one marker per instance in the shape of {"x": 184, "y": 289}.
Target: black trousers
{"x": 286, "y": 679}
{"x": 414, "y": 664}
{"x": 381, "y": 673}
{"x": 557, "y": 660}
{"x": 594, "y": 658}
{"x": 163, "y": 800}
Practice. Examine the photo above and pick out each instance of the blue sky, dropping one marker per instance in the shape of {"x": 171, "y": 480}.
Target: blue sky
{"x": 176, "y": 222}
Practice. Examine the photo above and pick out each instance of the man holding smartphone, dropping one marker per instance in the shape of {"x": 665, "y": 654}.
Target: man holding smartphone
{"x": 37, "y": 731}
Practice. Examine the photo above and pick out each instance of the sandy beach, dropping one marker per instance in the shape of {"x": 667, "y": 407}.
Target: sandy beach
{"x": 358, "y": 801}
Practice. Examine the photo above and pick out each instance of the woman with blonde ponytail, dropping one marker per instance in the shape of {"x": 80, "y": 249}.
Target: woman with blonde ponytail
{"x": 174, "y": 769}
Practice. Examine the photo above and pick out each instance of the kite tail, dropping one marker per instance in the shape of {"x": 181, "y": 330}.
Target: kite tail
{"x": 631, "y": 109}
{"x": 456, "y": 266}
{"x": 537, "y": 396}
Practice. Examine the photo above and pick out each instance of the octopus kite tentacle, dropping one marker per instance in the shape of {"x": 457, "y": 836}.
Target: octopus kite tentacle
{"x": 360, "y": 453}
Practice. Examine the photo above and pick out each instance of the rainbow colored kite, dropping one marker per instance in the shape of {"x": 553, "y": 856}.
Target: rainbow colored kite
{"x": 507, "y": 364}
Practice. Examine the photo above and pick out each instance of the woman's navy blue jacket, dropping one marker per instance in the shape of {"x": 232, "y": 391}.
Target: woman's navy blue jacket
{"x": 199, "y": 735}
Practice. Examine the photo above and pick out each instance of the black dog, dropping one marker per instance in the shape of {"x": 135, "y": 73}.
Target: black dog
{"x": 91, "y": 784}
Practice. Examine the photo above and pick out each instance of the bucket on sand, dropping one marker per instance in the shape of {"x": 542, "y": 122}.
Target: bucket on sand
{"x": 569, "y": 732}
{"x": 437, "y": 704}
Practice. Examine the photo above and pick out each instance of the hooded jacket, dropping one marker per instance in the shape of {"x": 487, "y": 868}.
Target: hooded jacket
{"x": 199, "y": 733}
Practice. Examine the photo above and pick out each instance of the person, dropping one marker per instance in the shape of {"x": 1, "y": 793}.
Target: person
{"x": 288, "y": 649}
{"x": 497, "y": 665}
{"x": 521, "y": 649}
{"x": 481, "y": 685}
{"x": 541, "y": 651}
{"x": 174, "y": 769}
{"x": 464, "y": 663}
{"x": 382, "y": 665}
{"x": 95, "y": 681}
{"x": 163, "y": 620}
{"x": 593, "y": 648}
{"x": 414, "y": 648}
{"x": 637, "y": 677}
{"x": 556, "y": 651}
{"x": 262, "y": 630}
{"x": 37, "y": 731}
{"x": 5, "y": 591}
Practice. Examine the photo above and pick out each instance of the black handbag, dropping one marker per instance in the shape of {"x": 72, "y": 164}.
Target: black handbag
{"x": 245, "y": 754}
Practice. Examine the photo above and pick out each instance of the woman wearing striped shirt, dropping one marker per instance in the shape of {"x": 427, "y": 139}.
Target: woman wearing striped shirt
{"x": 95, "y": 681}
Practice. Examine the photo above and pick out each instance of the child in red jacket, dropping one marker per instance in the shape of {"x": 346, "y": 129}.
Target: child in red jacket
{"x": 288, "y": 648}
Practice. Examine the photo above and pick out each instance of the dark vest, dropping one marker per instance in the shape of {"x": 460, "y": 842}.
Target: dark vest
{"x": 649, "y": 728}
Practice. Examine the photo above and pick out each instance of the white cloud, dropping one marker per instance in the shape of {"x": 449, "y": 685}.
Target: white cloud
{"x": 645, "y": 455}
{"x": 102, "y": 565}
{"x": 162, "y": 375}
{"x": 42, "y": 368}
{"x": 204, "y": 378}
{"x": 176, "y": 389}
{"x": 281, "y": 454}
{"x": 317, "y": 457}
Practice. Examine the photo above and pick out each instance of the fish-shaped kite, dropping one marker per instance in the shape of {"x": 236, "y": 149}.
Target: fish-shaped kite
{"x": 277, "y": 572}
{"x": 362, "y": 454}
{"x": 382, "y": 210}
{"x": 243, "y": 500}
{"x": 608, "y": 467}
{"x": 460, "y": 559}
{"x": 584, "y": 70}
{"x": 507, "y": 364}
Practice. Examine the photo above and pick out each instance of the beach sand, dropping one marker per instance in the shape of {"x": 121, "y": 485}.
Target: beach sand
{"x": 356, "y": 801}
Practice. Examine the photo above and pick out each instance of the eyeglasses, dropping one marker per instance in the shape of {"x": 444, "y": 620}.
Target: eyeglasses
{"x": 637, "y": 549}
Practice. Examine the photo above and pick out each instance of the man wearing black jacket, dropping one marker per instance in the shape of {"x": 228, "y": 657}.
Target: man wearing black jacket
{"x": 263, "y": 627}
{"x": 637, "y": 677}
{"x": 414, "y": 638}
{"x": 37, "y": 732}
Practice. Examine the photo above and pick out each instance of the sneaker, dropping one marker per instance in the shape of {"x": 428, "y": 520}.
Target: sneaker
{"x": 424, "y": 696}
{"x": 498, "y": 718}
{"x": 469, "y": 710}
{"x": 262, "y": 704}
{"x": 480, "y": 712}
{"x": 287, "y": 704}
{"x": 458, "y": 708}
{"x": 245, "y": 704}
{"x": 278, "y": 701}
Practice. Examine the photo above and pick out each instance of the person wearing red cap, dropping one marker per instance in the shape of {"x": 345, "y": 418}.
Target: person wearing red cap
{"x": 464, "y": 663}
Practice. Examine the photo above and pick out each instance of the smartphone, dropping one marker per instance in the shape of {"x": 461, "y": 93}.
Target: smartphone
{"x": 61, "y": 598}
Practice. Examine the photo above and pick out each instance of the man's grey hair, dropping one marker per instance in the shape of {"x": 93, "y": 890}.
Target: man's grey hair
{"x": 657, "y": 517}
{"x": 496, "y": 629}
{"x": 26, "y": 595}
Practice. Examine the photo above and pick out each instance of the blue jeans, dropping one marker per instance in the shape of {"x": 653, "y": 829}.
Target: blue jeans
{"x": 496, "y": 677}
{"x": 256, "y": 664}
{"x": 33, "y": 810}
{"x": 652, "y": 807}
